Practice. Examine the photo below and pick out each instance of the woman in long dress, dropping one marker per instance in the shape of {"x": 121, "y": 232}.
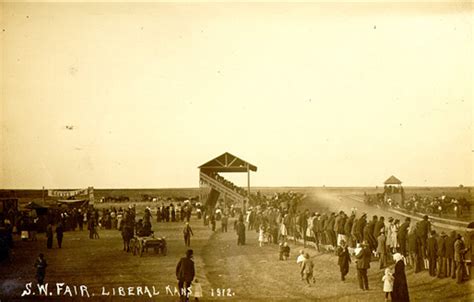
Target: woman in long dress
{"x": 400, "y": 286}
{"x": 393, "y": 236}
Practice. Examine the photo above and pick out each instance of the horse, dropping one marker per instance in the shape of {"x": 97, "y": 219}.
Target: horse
{"x": 127, "y": 234}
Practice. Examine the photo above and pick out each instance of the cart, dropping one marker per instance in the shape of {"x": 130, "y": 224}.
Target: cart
{"x": 138, "y": 245}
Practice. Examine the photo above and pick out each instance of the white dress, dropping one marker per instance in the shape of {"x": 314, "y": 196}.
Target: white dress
{"x": 261, "y": 236}
{"x": 387, "y": 283}
{"x": 283, "y": 231}
{"x": 197, "y": 290}
{"x": 393, "y": 240}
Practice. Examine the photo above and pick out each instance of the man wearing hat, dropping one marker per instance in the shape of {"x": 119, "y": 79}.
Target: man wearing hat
{"x": 423, "y": 229}
{"x": 459, "y": 256}
{"x": 344, "y": 258}
{"x": 363, "y": 264}
{"x": 382, "y": 249}
{"x": 451, "y": 265}
{"x": 442, "y": 255}
{"x": 361, "y": 222}
{"x": 317, "y": 229}
{"x": 403, "y": 236}
{"x": 185, "y": 275}
{"x": 432, "y": 252}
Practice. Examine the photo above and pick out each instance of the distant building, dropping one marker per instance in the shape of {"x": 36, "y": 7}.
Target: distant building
{"x": 393, "y": 191}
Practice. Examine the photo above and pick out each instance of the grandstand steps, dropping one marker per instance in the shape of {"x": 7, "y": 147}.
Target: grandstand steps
{"x": 221, "y": 188}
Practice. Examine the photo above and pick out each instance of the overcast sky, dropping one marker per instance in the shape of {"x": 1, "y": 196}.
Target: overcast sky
{"x": 312, "y": 94}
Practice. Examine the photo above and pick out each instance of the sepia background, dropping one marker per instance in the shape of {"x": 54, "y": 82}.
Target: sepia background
{"x": 118, "y": 95}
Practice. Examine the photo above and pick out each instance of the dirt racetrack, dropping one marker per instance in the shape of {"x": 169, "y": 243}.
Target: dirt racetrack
{"x": 236, "y": 273}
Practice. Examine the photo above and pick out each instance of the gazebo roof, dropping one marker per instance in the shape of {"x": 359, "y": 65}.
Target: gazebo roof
{"x": 227, "y": 163}
{"x": 392, "y": 180}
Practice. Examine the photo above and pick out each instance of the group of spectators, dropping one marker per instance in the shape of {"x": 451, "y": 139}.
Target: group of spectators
{"x": 387, "y": 241}
{"x": 441, "y": 206}
{"x": 228, "y": 183}
{"x": 174, "y": 213}
{"x": 419, "y": 243}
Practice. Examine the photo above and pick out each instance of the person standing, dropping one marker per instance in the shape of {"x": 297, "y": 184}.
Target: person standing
{"x": 40, "y": 265}
{"x": 197, "y": 290}
{"x": 34, "y": 228}
{"x": 59, "y": 234}
{"x": 451, "y": 265}
{"x": 240, "y": 229}
{"x": 382, "y": 249}
{"x": 224, "y": 222}
{"x": 261, "y": 235}
{"x": 344, "y": 259}
{"x": 403, "y": 235}
{"x": 299, "y": 261}
{"x": 307, "y": 268}
{"x": 432, "y": 251}
{"x": 49, "y": 236}
{"x": 185, "y": 275}
{"x": 213, "y": 222}
{"x": 423, "y": 229}
{"x": 284, "y": 251}
{"x": 363, "y": 264}
{"x": 442, "y": 255}
{"x": 187, "y": 232}
{"x": 459, "y": 254}
{"x": 91, "y": 228}
{"x": 400, "y": 285}
{"x": 387, "y": 284}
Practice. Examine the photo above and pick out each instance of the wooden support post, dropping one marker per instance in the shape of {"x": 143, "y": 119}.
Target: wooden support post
{"x": 248, "y": 184}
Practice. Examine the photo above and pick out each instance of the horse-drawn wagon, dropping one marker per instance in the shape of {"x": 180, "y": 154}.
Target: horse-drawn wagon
{"x": 138, "y": 245}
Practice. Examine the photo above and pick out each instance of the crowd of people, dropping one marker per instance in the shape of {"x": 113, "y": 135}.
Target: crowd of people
{"x": 417, "y": 246}
{"x": 228, "y": 183}
{"x": 442, "y": 206}
{"x": 277, "y": 219}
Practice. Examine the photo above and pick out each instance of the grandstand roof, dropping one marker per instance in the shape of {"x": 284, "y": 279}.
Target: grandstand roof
{"x": 392, "y": 180}
{"x": 227, "y": 163}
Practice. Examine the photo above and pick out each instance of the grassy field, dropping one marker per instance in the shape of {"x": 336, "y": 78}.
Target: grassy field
{"x": 247, "y": 273}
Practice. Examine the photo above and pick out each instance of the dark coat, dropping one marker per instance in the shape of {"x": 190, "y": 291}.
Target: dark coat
{"x": 331, "y": 222}
{"x": 382, "y": 244}
{"x": 363, "y": 258}
{"x": 240, "y": 229}
{"x": 423, "y": 228}
{"x": 185, "y": 269}
{"x": 379, "y": 225}
{"x": 49, "y": 233}
{"x": 344, "y": 256}
{"x": 348, "y": 225}
{"x": 450, "y": 246}
{"x": 371, "y": 228}
{"x": 403, "y": 231}
{"x": 413, "y": 242}
{"x": 340, "y": 225}
{"x": 441, "y": 246}
{"x": 59, "y": 230}
{"x": 432, "y": 244}
{"x": 400, "y": 286}
{"x": 360, "y": 226}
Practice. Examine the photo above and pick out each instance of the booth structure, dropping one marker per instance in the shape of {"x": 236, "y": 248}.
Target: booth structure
{"x": 393, "y": 190}
{"x": 212, "y": 185}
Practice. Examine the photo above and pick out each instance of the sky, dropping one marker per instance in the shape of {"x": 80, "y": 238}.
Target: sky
{"x": 312, "y": 94}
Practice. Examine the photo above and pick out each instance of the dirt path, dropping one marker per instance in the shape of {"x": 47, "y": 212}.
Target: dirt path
{"x": 250, "y": 272}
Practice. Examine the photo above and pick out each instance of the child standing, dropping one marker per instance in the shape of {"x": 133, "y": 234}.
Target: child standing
{"x": 40, "y": 265}
{"x": 387, "y": 283}
{"x": 261, "y": 236}
{"x": 197, "y": 289}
